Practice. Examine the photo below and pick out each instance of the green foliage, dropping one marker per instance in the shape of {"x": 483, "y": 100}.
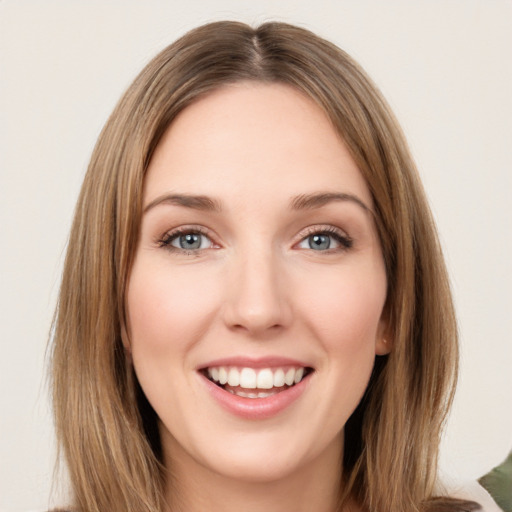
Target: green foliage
{"x": 498, "y": 483}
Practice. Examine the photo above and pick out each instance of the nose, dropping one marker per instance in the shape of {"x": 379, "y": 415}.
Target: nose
{"x": 258, "y": 298}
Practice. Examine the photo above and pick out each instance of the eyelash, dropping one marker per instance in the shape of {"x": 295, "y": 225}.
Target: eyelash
{"x": 166, "y": 240}
{"x": 339, "y": 236}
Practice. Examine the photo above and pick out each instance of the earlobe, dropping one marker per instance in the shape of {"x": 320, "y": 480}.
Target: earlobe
{"x": 383, "y": 346}
{"x": 384, "y": 339}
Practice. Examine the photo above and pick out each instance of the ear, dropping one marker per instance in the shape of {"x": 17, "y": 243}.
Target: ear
{"x": 384, "y": 338}
{"x": 125, "y": 339}
{"x": 383, "y": 347}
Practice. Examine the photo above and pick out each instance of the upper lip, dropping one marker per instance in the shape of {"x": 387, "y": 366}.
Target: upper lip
{"x": 258, "y": 362}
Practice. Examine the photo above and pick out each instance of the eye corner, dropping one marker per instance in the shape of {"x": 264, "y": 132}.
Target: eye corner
{"x": 187, "y": 240}
{"x": 324, "y": 239}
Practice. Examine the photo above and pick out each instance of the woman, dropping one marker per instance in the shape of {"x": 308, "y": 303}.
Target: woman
{"x": 255, "y": 311}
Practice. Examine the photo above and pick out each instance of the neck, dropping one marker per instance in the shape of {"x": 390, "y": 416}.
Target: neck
{"x": 192, "y": 487}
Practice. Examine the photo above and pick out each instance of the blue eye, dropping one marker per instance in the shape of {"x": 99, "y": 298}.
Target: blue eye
{"x": 189, "y": 241}
{"x": 186, "y": 241}
{"x": 319, "y": 242}
{"x": 325, "y": 241}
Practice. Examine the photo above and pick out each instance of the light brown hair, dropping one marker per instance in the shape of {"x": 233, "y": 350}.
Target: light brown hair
{"x": 106, "y": 428}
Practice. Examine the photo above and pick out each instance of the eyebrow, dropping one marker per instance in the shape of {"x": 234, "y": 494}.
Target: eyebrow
{"x": 204, "y": 203}
{"x": 319, "y": 199}
{"x": 300, "y": 202}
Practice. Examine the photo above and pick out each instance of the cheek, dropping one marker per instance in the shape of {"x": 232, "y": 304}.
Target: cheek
{"x": 167, "y": 308}
{"x": 341, "y": 311}
{"x": 344, "y": 308}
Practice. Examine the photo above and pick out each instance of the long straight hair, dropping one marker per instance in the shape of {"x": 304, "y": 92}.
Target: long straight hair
{"x": 106, "y": 428}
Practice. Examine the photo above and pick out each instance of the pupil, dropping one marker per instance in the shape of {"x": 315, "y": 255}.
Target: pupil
{"x": 190, "y": 241}
{"x": 319, "y": 242}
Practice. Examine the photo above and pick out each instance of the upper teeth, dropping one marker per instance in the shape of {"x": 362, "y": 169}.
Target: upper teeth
{"x": 249, "y": 378}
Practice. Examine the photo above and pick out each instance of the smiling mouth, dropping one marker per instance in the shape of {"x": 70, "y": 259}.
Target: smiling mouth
{"x": 256, "y": 383}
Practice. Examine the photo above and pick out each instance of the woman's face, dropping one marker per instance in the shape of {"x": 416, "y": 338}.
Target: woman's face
{"x": 258, "y": 262}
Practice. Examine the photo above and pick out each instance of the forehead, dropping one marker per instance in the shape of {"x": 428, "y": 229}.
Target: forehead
{"x": 253, "y": 140}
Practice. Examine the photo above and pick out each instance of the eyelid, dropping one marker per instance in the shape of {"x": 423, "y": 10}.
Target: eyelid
{"x": 342, "y": 238}
{"x": 339, "y": 234}
{"x": 165, "y": 240}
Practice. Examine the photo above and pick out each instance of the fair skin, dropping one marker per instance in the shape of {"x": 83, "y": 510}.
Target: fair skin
{"x": 258, "y": 257}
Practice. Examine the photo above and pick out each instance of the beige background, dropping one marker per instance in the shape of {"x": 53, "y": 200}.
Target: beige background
{"x": 446, "y": 68}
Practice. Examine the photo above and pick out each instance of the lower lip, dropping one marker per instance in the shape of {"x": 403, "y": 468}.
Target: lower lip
{"x": 256, "y": 408}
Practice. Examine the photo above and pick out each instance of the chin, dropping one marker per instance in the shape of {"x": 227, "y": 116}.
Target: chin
{"x": 273, "y": 454}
